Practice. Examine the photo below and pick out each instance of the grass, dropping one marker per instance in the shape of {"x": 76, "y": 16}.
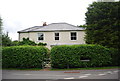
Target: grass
{"x": 88, "y": 68}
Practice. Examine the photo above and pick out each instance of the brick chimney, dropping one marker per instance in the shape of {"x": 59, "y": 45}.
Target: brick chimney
{"x": 44, "y": 24}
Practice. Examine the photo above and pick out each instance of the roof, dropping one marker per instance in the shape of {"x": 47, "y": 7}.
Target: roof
{"x": 53, "y": 27}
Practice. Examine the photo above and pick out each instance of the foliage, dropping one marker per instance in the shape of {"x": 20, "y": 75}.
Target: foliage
{"x": 4, "y": 38}
{"x": 0, "y": 42}
{"x": 6, "y": 41}
{"x": 71, "y": 56}
{"x": 42, "y": 44}
{"x": 83, "y": 26}
{"x": 0, "y": 24}
{"x": 102, "y": 20}
{"x": 23, "y": 56}
{"x": 15, "y": 43}
{"x": 115, "y": 54}
{"x": 0, "y": 31}
{"x": 26, "y": 41}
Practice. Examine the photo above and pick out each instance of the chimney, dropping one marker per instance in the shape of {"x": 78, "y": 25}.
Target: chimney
{"x": 44, "y": 24}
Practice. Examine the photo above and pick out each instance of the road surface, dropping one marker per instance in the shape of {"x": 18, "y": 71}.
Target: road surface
{"x": 56, "y": 75}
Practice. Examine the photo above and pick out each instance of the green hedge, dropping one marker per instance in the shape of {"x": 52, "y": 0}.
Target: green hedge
{"x": 23, "y": 56}
{"x": 115, "y": 54}
{"x": 71, "y": 56}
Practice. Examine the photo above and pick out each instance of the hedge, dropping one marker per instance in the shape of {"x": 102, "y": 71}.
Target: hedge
{"x": 72, "y": 56}
{"x": 23, "y": 56}
{"x": 115, "y": 54}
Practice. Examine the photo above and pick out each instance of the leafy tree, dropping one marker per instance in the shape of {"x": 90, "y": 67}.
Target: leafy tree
{"x": 6, "y": 41}
{"x": 0, "y": 24}
{"x": 0, "y": 31}
{"x": 0, "y": 43}
{"x": 103, "y": 24}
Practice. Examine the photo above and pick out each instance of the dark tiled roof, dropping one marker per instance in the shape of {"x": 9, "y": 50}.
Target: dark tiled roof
{"x": 53, "y": 27}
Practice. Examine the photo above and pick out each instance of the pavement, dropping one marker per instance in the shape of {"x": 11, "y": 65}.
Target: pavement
{"x": 110, "y": 74}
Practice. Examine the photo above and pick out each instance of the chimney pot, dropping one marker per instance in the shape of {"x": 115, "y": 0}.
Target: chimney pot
{"x": 44, "y": 24}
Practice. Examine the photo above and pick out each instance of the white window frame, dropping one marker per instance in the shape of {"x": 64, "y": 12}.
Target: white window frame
{"x": 56, "y": 36}
{"x": 73, "y": 36}
{"x": 39, "y": 35}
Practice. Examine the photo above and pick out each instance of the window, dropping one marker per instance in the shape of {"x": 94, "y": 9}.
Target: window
{"x": 56, "y": 36}
{"x": 73, "y": 36}
{"x": 40, "y": 36}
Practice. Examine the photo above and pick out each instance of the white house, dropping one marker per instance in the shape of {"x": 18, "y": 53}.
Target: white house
{"x": 54, "y": 34}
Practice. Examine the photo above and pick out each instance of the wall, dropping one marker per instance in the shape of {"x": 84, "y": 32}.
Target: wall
{"x": 49, "y": 38}
{"x": 23, "y": 35}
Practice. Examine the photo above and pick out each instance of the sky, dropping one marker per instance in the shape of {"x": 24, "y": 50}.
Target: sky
{"x": 21, "y": 14}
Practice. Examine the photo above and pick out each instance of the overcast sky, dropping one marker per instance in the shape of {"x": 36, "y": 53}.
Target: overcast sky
{"x": 20, "y": 14}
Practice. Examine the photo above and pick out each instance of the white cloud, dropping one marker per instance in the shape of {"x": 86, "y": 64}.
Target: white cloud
{"x": 20, "y": 14}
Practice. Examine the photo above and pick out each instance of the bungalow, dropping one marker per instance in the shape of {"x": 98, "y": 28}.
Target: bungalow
{"x": 54, "y": 34}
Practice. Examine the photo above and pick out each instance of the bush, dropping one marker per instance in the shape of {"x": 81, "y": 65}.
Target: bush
{"x": 115, "y": 54}
{"x": 26, "y": 41}
{"x": 15, "y": 43}
{"x": 65, "y": 56}
{"x": 42, "y": 44}
{"x": 23, "y": 56}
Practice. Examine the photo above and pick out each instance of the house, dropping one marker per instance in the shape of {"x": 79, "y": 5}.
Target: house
{"x": 54, "y": 34}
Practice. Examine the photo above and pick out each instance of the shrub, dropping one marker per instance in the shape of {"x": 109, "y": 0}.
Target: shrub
{"x": 23, "y": 56}
{"x": 42, "y": 44}
{"x": 15, "y": 43}
{"x": 65, "y": 56}
{"x": 115, "y": 54}
{"x": 26, "y": 41}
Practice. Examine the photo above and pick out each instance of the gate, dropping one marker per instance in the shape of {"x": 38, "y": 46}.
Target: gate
{"x": 46, "y": 63}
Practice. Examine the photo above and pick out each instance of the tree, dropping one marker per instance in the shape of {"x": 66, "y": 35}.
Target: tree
{"x": 6, "y": 41}
{"x": 103, "y": 24}
{"x": 0, "y": 42}
{"x": 0, "y": 24}
{"x": 0, "y": 31}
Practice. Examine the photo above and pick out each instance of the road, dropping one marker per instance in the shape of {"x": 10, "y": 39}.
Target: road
{"x": 69, "y": 74}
